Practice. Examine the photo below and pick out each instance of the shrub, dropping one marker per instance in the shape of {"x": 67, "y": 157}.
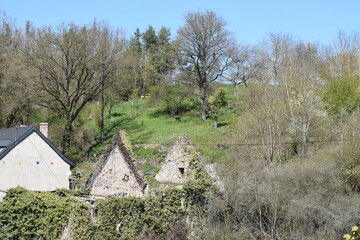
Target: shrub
{"x": 171, "y": 98}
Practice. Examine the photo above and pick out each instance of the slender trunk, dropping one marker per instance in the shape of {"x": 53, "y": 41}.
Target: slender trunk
{"x": 204, "y": 103}
{"x": 102, "y": 117}
{"x": 67, "y": 136}
{"x": 110, "y": 109}
{"x": 236, "y": 94}
{"x": 305, "y": 131}
{"x": 341, "y": 135}
{"x": 216, "y": 123}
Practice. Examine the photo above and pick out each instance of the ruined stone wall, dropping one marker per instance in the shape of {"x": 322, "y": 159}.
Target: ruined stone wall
{"x": 116, "y": 178}
{"x": 176, "y": 164}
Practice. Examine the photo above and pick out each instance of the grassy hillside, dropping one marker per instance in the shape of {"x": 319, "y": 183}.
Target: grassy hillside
{"x": 152, "y": 132}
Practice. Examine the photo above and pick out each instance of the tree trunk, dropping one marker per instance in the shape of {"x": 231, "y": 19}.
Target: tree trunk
{"x": 216, "y": 124}
{"x": 110, "y": 110}
{"x": 102, "y": 117}
{"x": 67, "y": 136}
{"x": 204, "y": 103}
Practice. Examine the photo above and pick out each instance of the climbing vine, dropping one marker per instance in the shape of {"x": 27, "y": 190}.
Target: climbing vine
{"x": 28, "y": 215}
{"x": 196, "y": 189}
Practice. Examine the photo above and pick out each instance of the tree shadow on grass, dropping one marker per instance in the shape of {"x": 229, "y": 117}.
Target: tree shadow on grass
{"x": 116, "y": 114}
{"x": 158, "y": 114}
{"x": 222, "y": 124}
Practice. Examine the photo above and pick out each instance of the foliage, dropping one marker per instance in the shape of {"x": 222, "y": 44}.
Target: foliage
{"x": 80, "y": 223}
{"x": 216, "y": 102}
{"x": 355, "y": 234}
{"x": 127, "y": 218}
{"x": 85, "y": 192}
{"x": 119, "y": 218}
{"x": 74, "y": 154}
{"x": 171, "y": 98}
{"x": 197, "y": 189}
{"x": 294, "y": 198}
{"x": 126, "y": 140}
{"x": 28, "y": 215}
{"x": 351, "y": 165}
{"x": 343, "y": 96}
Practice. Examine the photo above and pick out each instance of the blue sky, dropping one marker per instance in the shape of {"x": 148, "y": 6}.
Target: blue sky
{"x": 250, "y": 21}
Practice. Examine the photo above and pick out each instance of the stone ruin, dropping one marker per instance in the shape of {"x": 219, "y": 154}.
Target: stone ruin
{"x": 117, "y": 173}
{"x": 175, "y": 168}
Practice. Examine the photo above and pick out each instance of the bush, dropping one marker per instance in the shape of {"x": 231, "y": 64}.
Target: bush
{"x": 343, "y": 96}
{"x": 170, "y": 98}
{"x": 74, "y": 154}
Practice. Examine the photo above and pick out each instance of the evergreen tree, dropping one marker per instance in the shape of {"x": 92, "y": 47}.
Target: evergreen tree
{"x": 135, "y": 44}
{"x": 151, "y": 41}
{"x": 166, "y": 61}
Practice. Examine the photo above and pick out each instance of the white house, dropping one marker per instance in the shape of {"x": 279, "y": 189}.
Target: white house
{"x": 28, "y": 159}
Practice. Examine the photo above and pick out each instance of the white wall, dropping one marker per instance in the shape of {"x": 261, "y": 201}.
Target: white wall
{"x": 34, "y": 165}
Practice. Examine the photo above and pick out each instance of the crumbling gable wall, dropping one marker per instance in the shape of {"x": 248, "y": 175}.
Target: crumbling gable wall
{"x": 117, "y": 173}
{"x": 175, "y": 168}
{"x": 116, "y": 179}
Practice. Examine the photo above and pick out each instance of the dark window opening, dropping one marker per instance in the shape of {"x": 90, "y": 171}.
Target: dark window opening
{"x": 182, "y": 170}
{"x": 126, "y": 178}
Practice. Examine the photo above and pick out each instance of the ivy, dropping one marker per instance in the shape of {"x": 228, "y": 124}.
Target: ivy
{"x": 81, "y": 227}
{"x": 200, "y": 186}
{"x": 119, "y": 218}
{"x": 162, "y": 209}
{"x": 28, "y": 215}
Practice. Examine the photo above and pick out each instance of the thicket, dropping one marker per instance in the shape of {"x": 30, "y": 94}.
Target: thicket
{"x": 292, "y": 167}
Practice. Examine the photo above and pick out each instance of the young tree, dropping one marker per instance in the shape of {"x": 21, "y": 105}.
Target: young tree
{"x": 217, "y": 102}
{"x": 165, "y": 62}
{"x": 203, "y": 44}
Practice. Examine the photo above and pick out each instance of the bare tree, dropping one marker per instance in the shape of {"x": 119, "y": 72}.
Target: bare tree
{"x": 203, "y": 44}
{"x": 67, "y": 70}
{"x": 245, "y": 65}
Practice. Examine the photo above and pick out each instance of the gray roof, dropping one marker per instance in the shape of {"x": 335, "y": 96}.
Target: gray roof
{"x": 11, "y": 137}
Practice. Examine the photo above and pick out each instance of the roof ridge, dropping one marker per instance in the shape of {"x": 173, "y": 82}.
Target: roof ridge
{"x": 28, "y": 133}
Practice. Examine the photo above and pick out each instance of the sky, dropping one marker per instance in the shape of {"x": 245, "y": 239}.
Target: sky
{"x": 249, "y": 21}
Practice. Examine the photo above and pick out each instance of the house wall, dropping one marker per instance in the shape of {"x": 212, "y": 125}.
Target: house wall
{"x": 112, "y": 180}
{"x": 34, "y": 165}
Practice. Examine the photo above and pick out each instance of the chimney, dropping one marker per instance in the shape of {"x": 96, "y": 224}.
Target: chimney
{"x": 44, "y": 129}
